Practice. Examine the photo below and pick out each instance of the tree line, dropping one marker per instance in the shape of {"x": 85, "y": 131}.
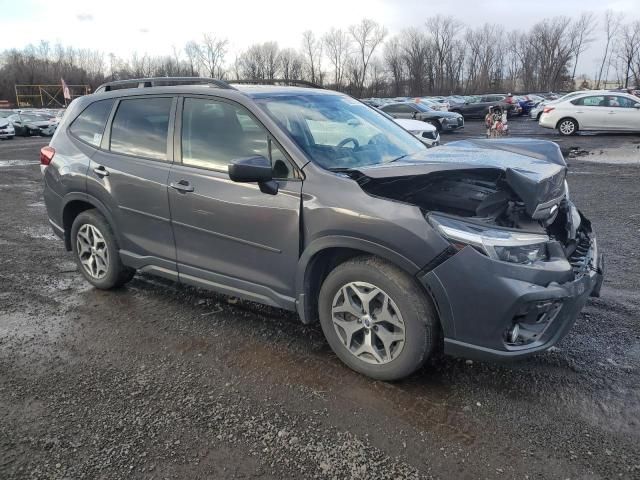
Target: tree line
{"x": 442, "y": 56}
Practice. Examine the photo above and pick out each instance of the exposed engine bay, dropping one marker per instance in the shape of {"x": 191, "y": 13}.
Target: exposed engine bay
{"x": 480, "y": 195}
{"x": 483, "y": 196}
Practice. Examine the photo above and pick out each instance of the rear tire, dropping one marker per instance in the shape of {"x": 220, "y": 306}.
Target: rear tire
{"x": 96, "y": 251}
{"x": 397, "y": 331}
{"x": 567, "y": 127}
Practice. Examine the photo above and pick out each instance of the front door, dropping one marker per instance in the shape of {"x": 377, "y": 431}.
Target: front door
{"x": 625, "y": 116}
{"x": 231, "y": 234}
{"x": 129, "y": 176}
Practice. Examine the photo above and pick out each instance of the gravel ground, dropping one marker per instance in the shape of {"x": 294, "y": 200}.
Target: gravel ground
{"x": 158, "y": 380}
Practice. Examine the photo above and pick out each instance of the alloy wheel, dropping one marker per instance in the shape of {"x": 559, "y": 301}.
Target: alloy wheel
{"x": 567, "y": 127}
{"x": 368, "y": 322}
{"x": 92, "y": 251}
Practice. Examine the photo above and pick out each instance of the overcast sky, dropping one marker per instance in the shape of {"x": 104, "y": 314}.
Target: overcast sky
{"x": 122, "y": 27}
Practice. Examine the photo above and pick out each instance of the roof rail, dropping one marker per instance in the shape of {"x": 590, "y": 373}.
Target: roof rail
{"x": 160, "y": 81}
{"x": 277, "y": 81}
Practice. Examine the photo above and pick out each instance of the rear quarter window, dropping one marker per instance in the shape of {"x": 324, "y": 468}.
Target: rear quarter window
{"x": 89, "y": 125}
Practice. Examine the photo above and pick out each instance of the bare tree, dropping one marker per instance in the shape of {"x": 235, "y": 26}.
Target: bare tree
{"x": 291, "y": 64}
{"x": 338, "y": 47}
{"x": 312, "y": 53}
{"x": 416, "y": 56}
{"x": 484, "y": 54}
{"x": 629, "y": 50}
{"x": 394, "y": 62}
{"x": 582, "y": 34}
{"x": 442, "y": 32}
{"x": 271, "y": 54}
{"x": 611, "y": 26}
{"x": 367, "y": 35}
{"x": 192, "y": 51}
{"x": 211, "y": 54}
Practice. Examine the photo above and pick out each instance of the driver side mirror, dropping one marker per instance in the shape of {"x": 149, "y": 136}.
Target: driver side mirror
{"x": 254, "y": 169}
{"x": 413, "y": 115}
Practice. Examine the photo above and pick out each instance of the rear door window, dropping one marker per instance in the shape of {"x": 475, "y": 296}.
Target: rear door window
{"x": 89, "y": 125}
{"x": 596, "y": 101}
{"x": 140, "y": 127}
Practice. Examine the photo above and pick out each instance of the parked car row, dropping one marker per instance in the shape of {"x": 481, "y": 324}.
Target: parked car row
{"x": 470, "y": 106}
{"x": 29, "y": 122}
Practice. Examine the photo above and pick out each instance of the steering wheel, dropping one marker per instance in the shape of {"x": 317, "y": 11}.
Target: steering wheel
{"x": 355, "y": 142}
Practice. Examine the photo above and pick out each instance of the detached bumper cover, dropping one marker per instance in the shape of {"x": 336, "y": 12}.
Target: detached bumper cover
{"x": 479, "y": 299}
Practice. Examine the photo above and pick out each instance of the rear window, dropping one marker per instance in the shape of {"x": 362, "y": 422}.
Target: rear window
{"x": 89, "y": 125}
{"x": 140, "y": 127}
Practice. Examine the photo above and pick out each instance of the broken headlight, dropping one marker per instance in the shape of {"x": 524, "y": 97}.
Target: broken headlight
{"x": 499, "y": 244}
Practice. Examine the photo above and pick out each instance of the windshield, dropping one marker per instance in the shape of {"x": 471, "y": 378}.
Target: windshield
{"x": 423, "y": 107}
{"x": 338, "y": 132}
{"x": 34, "y": 118}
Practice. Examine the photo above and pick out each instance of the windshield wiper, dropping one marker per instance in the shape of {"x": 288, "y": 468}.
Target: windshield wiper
{"x": 399, "y": 158}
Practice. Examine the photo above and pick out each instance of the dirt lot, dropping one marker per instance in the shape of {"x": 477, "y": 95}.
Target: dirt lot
{"x": 159, "y": 380}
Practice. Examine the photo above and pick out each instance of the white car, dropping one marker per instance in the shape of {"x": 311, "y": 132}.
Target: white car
{"x": 608, "y": 111}
{"x": 426, "y": 133}
{"x": 6, "y": 129}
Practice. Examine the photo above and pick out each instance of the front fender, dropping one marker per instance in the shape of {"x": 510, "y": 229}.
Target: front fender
{"x": 354, "y": 243}
{"x": 305, "y": 306}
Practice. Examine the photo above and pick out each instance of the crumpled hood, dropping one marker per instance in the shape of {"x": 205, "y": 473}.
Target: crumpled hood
{"x": 534, "y": 169}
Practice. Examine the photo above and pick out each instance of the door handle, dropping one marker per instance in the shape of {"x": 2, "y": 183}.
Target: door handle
{"x": 182, "y": 186}
{"x": 101, "y": 171}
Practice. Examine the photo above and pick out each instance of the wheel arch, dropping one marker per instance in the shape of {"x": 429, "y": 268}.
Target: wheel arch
{"x": 323, "y": 255}
{"x": 76, "y": 203}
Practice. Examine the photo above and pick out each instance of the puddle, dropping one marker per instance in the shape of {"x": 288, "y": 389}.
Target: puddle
{"x": 67, "y": 286}
{"x": 17, "y": 163}
{"x": 20, "y": 326}
{"x": 422, "y": 403}
{"x": 42, "y": 231}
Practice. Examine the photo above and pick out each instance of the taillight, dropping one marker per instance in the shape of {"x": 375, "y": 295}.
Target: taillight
{"x": 548, "y": 109}
{"x": 46, "y": 155}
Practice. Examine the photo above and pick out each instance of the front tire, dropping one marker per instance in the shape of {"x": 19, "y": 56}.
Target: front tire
{"x": 567, "y": 126}
{"x": 436, "y": 125}
{"x": 97, "y": 253}
{"x": 377, "y": 318}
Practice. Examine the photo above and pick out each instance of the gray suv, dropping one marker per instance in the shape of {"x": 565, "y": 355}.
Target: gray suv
{"x": 311, "y": 201}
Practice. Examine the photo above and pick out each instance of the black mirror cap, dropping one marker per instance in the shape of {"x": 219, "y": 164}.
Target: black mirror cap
{"x": 251, "y": 169}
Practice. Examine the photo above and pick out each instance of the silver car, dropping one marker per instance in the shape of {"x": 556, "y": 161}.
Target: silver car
{"x": 609, "y": 111}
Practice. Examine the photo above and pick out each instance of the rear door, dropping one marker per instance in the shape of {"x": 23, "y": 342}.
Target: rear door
{"x": 231, "y": 234}
{"x": 592, "y": 113}
{"x": 129, "y": 176}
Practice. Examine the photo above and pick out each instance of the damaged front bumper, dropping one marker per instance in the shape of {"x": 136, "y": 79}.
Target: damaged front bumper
{"x": 493, "y": 310}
